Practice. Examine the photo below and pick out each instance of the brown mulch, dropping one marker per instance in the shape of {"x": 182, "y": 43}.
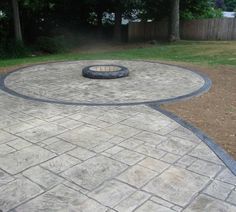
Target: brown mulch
{"x": 215, "y": 111}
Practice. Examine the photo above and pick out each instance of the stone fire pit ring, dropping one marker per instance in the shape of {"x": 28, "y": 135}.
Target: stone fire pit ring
{"x": 107, "y": 71}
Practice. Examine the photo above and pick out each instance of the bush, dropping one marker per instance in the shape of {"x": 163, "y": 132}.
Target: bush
{"x": 51, "y": 44}
{"x": 13, "y": 49}
{"x": 209, "y": 12}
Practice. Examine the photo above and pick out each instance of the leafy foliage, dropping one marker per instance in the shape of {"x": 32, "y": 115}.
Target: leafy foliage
{"x": 189, "y": 9}
{"x": 230, "y": 5}
{"x": 219, "y": 4}
{"x": 53, "y": 18}
{"x": 199, "y": 9}
{"x": 13, "y": 49}
{"x": 51, "y": 45}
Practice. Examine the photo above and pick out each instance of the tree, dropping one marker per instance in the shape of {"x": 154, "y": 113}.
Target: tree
{"x": 17, "y": 23}
{"x": 64, "y": 17}
{"x": 118, "y": 10}
{"x": 199, "y": 9}
{"x": 220, "y": 4}
{"x": 157, "y": 10}
{"x": 98, "y": 7}
{"x": 174, "y": 21}
{"x": 5, "y": 26}
{"x": 121, "y": 8}
{"x": 230, "y": 5}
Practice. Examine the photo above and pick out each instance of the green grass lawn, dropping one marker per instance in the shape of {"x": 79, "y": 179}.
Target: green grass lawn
{"x": 205, "y": 53}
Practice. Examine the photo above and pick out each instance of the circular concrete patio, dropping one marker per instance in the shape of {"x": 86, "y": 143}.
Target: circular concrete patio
{"x": 63, "y": 82}
{"x": 57, "y": 157}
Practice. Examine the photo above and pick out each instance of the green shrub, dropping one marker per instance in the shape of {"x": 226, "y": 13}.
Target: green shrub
{"x": 51, "y": 44}
{"x": 13, "y": 49}
{"x": 209, "y": 12}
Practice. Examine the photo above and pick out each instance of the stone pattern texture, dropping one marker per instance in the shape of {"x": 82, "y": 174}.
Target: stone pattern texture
{"x": 105, "y": 159}
{"x": 109, "y": 164}
{"x": 64, "y": 82}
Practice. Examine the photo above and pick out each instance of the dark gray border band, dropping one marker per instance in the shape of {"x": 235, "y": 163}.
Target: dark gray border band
{"x": 220, "y": 152}
{"x": 217, "y": 149}
{"x": 204, "y": 88}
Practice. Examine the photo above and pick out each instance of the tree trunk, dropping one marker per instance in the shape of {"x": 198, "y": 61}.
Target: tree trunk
{"x": 99, "y": 24}
{"x": 99, "y": 17}
{"x": 17, "y": 25}
{"x": 174, "y": 21}
{"x": 118, "y": 21}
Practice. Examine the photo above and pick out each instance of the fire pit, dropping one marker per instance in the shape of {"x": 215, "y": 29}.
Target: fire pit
{"x": 105, "y": 71}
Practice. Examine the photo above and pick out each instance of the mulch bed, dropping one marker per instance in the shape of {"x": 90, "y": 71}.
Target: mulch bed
{"x": 215, "y": 111}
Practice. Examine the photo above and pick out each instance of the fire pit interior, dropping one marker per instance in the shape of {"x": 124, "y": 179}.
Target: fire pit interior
{"x": 105, "y": 71}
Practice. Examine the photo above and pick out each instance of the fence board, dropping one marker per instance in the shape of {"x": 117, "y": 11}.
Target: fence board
{"x": 206, "y": 29}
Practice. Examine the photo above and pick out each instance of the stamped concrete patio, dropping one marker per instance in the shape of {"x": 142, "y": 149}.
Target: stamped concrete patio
{"x": 73, "y": 144}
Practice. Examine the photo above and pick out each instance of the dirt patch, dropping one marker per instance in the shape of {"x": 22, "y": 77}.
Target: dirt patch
{"x": 94, "y": 46}
{"x": 215, "y": 111}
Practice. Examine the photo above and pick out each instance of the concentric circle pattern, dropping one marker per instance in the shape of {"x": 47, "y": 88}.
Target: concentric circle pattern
{"x": 64, "y": 82}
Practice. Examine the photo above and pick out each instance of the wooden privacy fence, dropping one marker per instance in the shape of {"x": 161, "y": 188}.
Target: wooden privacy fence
{"x": 205, "y": 29}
